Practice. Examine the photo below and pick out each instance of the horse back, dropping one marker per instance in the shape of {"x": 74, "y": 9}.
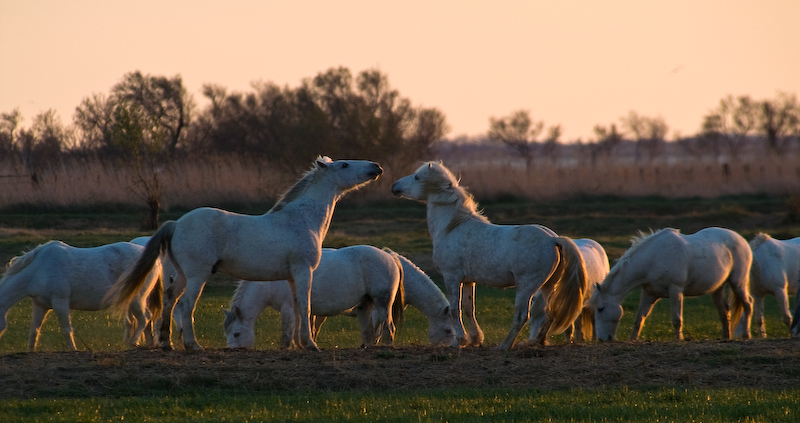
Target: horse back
{"x": 495, "y": 255}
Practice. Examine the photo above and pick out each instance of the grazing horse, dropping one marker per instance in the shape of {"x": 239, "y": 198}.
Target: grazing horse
{"x": 597, "y": 268}
{"x": 284, "y": 243}
{"x": 776, "y": 267}
{"x": 60, "y": 277}
{"x": 251, "y": 298}
{"x": 668, "y": 264}
{"x": 357, "y": 278}
{"x": 469, "y": 249}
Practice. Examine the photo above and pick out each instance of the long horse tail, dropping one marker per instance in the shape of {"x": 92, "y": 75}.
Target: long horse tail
{"x": 566, "y": 297}
{"x": 155, "y": 301}
{"x": 399, "y": 304}
{"x": 130, "y": 282}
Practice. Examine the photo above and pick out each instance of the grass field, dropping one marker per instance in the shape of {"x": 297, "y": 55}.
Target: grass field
{"x": 401, "y": 226}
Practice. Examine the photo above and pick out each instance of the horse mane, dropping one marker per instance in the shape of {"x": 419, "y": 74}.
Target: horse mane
{"x": 636, "y": 242}
{"x": 466, "y": 208}
{"x": 300, "y": 186}
{"x": 236, "y": 300}
{"x": 760, "y": 238}
{"x": 18, "y": 263}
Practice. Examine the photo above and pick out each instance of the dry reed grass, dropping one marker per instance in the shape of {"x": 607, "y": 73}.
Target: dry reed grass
{"x": 218, "y": 180}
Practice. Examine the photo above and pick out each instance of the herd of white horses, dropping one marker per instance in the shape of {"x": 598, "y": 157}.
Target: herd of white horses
{"x": 562, "y": 285}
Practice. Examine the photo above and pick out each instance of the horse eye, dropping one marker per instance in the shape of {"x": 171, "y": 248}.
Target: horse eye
{"x": 345, "y": 164}
{"x": 236, "y": 335}
{"x": 600, "y": 310}
{"x": 416, "y": 178}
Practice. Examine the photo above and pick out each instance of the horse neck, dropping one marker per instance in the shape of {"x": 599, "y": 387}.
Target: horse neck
{"x": 315, "y": 207}
{"x": 13, "y": 288}
{"x": 252, "y": 298}
{"x": 626, "y": 280}
{"x": 439, "y": 218}
{"x": 422, "y": 293}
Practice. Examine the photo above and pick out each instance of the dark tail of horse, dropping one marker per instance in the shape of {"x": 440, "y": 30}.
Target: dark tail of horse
{"x": 126, "y": 287}
{"x": 566, "y": 286}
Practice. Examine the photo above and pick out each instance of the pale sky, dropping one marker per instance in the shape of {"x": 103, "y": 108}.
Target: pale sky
{"x": 573, "y": 63}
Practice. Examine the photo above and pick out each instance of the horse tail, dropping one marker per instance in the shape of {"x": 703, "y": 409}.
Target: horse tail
{"x": 399, "y": 304}
{"x": 566, "y": 299}
{"x": 155, "y": 301}
{"x": 130, "y": 282}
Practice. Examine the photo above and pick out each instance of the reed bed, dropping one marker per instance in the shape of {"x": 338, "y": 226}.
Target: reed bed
{"x": 215, "y": 180}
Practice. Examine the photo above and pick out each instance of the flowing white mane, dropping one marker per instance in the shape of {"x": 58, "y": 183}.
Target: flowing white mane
{"x": 440, "y": 182}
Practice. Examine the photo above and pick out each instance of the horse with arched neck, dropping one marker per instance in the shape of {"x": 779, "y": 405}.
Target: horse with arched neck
{"x": 284, "y": 243}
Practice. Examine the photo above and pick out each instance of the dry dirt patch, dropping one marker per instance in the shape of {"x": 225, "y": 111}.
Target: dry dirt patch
{"x": 762, "y": 364}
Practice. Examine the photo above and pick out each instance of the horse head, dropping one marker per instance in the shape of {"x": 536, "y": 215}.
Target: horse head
{"x": 348, "y": 174}
{"x": 237, "y": 332}
{"x": 441, "y": 329}
{"x": 607, "y": 314}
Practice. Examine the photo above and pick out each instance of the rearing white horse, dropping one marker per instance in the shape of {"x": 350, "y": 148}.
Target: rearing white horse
{"x": 668, "y": 264}
{"x": 284, "y": 243}
{"x": 467, "y": 248}
{"x": 776, "y": 267}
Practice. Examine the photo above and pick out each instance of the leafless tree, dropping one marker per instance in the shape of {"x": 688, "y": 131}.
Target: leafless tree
{"x": 519, "y": 131}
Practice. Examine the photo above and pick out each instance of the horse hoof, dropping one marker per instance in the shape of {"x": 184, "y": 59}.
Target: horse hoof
{"x": 313, "y": 348}
{"x": 166, "y": 347}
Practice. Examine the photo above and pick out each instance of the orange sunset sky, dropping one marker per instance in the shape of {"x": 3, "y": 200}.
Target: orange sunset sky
{"x": 573, "y": 63}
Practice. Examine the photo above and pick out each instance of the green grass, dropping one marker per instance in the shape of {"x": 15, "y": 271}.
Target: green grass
{"x": 401, "y": 226}
{"x": 502, "y": 405}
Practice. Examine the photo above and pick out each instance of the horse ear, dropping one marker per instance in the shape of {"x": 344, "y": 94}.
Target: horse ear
{"x": 226, "y": 313}
{"x": 323, "y": 162}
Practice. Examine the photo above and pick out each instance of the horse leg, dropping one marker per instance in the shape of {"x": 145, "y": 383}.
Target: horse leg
{"x": 370, "y": 333}
{"x": 538, "y": 310}
{"x": 758, "y": 315}
{"x": 139, "y": 312}
{"x": 384, "y": 328}
{"x": 288, "y": 327}
{"x": 194, "y": 287}
{"x": 782, "y": 297}
{"x": 646, "y": 303}
{"x": 676, "y": 305}
{"x": 739, "y": 290}
{"x": 718, "y": 297}
{"x": 522, "y": 305}
{"x": 61, "y": 308}
{"x": 468, "y": 304}
{"x": 38, "y": 316}
{"x": 172, "y": 293}
{"x": 453, "y": 287}
{"x": 301, "y": 277}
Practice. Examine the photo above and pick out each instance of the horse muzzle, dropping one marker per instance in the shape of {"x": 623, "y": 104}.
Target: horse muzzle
{"x": 375, "y": 173}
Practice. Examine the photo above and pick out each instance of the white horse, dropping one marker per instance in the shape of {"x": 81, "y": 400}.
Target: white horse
{"x": 284, "y": 243}
{"x": 350, "y": 279}
{"x": 776, "y": 267}
{"x": 61, "y": 277}
{"x": 668, "y": 264}
{"x": 467, "y": 248}
{"x": 251, "y": 298}
{"x": 597, "y": 267}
